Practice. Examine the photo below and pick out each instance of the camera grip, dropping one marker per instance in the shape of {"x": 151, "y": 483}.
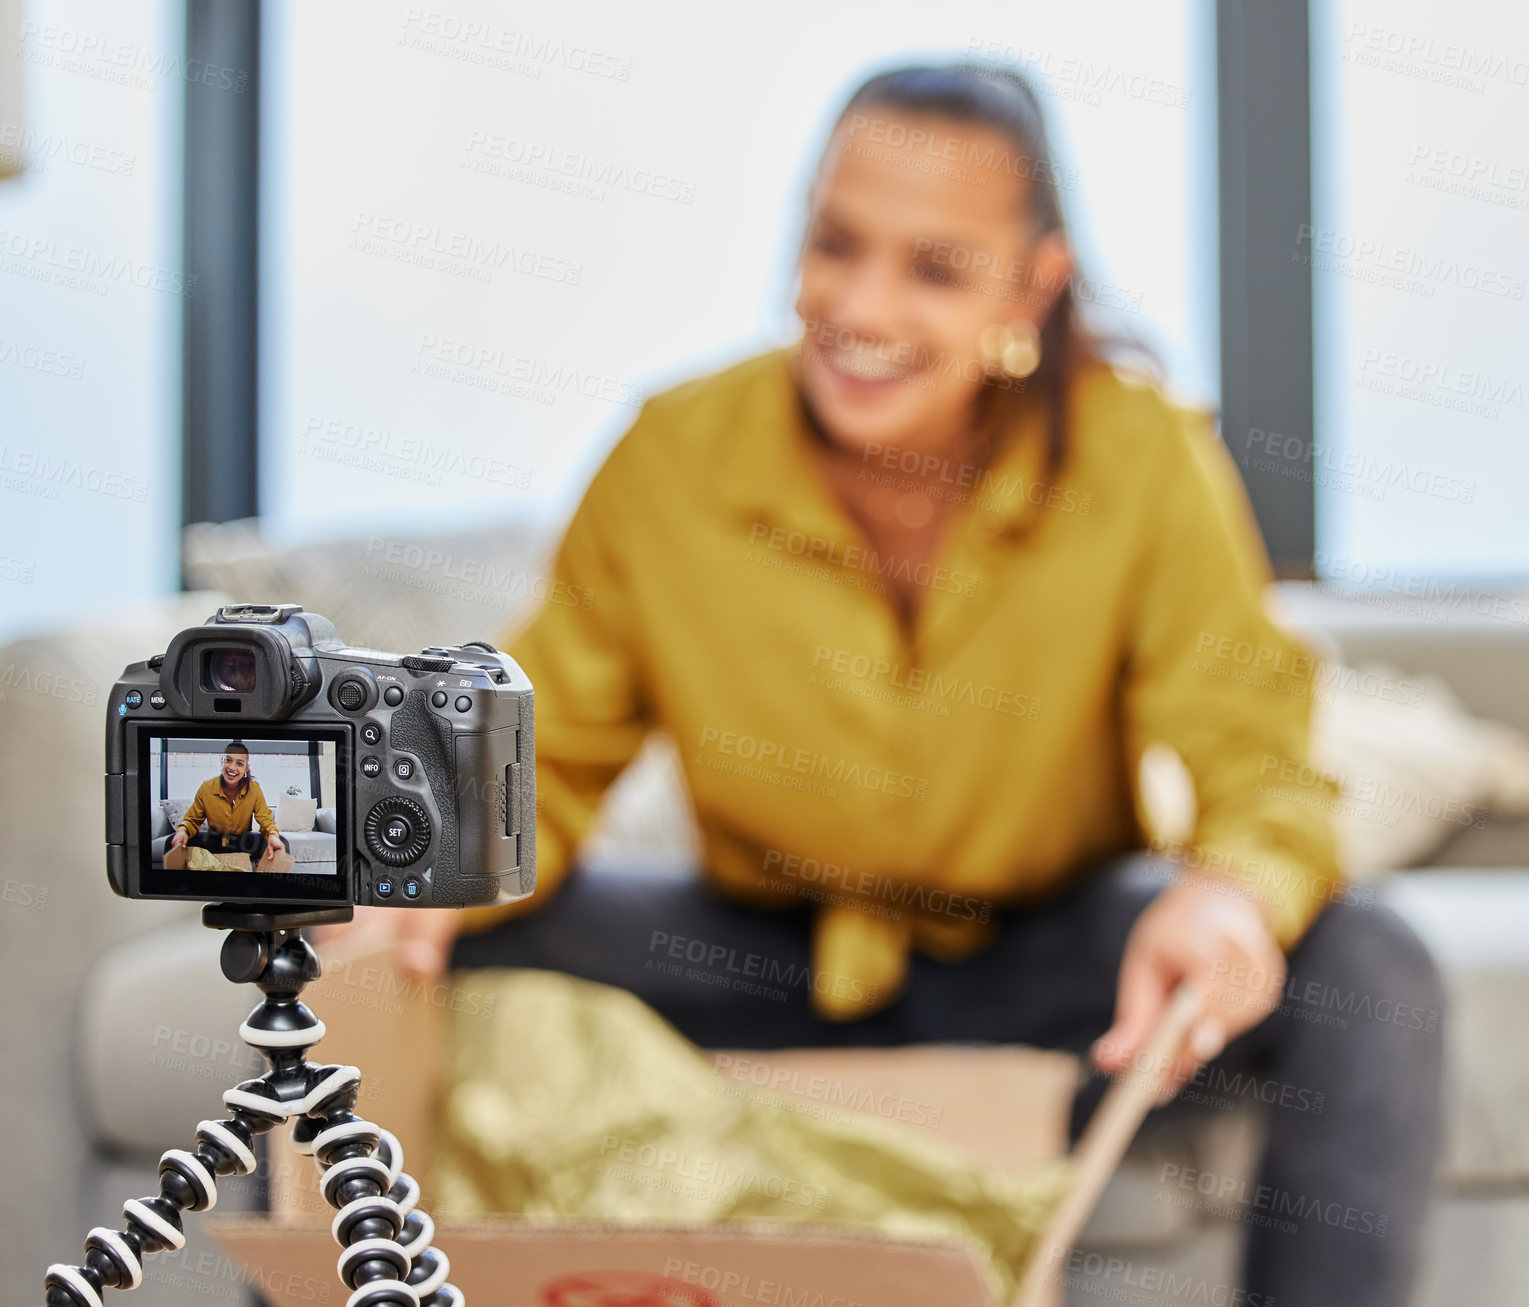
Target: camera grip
{"x": 416, "y": 730}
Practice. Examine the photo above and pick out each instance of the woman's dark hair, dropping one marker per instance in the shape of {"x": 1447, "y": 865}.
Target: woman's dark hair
{"x": 996, "y": 97}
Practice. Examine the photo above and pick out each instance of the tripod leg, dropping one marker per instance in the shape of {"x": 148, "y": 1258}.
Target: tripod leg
{"x": 386, "y": 1256}
{"x": 379, "y": 1214}
{"x": 187, "y": 1182}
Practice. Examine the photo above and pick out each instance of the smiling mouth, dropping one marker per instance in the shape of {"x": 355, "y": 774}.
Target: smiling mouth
{"x": 860, "y": 369}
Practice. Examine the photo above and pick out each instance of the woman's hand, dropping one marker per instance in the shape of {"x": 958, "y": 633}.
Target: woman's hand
{"x": 178, "y": 840}
{"x": 1199, "y": 931}
{"x": 421, "y": 937}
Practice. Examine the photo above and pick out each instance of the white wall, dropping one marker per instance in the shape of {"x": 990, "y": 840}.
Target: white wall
{"x": 90, "y": 304}
{"x": 1420, "y": 255}
{"x": 429, "y": 326}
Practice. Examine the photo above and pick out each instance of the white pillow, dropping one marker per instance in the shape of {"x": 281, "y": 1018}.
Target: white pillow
{"x": 1414, "y": 770}
{"x": 1413, "y": 767}
{"x": 295, "y": 814}
{"x": 325, "y": 821}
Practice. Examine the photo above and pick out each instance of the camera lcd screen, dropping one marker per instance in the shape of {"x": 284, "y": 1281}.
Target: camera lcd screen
{"x": 244, "y": 811}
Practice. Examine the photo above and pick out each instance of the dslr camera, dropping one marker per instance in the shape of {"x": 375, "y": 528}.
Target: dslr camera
{"x": 261, "y": 760}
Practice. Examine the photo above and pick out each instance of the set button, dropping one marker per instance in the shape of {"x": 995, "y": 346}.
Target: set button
{"x": 397, "y": 831}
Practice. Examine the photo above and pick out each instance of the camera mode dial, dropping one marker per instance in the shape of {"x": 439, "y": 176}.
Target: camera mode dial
{"x": 397, "y": 831}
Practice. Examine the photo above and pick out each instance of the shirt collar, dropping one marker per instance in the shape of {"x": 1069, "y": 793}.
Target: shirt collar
{"x": 767, "y": 473}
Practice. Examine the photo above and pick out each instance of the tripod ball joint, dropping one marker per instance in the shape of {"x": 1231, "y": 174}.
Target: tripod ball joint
{"x": 385, "y": 1259}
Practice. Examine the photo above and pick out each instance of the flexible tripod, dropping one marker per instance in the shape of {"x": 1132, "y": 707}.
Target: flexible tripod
{"x": 386, "y": 1256}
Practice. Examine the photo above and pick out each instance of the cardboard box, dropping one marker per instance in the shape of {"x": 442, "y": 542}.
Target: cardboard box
{"x": 1005, "y": 1106}
{"x": 175, "y": 860}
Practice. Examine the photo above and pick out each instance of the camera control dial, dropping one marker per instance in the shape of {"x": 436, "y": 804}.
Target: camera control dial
{"x": 397, "y": 831}
{"x": 427, "y": 662}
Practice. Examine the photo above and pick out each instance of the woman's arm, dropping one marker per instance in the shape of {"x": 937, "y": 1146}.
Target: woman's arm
{"x": 1209, "y": 674}
{"x": 262, "y": 811}
{"x": 191, "y": 820}
{"x": 580, "y": 650}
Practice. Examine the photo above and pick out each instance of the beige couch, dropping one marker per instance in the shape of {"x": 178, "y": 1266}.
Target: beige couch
{"x": 127, "y": 1028}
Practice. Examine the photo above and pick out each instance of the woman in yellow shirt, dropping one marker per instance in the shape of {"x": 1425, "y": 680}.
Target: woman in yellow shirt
{"x": 912, "y": 597}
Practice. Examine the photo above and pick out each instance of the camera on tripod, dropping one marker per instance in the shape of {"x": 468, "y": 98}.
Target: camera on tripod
{"x": 261, "y": 760}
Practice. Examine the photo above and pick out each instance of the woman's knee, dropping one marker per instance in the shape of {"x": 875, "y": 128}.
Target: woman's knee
{"x": 1369, "y": 958}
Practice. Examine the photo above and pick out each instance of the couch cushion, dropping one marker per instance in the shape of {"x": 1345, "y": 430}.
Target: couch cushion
{"x": 310, "y": 845}
{"x": 1473, "y": 924}
{"x": 383, "y": 591}
{"x": 294, "y": 814}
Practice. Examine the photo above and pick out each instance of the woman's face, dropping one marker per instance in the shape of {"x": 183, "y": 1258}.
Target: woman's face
{"x": 916, "y": 242}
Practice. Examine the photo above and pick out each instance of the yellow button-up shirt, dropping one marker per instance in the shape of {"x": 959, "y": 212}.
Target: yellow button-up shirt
{"x": 910, "y": 782}
{"x": 227, "y": 816}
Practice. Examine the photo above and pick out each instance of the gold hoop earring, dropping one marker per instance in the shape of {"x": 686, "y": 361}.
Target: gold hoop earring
{"x": 1013, "y": 347}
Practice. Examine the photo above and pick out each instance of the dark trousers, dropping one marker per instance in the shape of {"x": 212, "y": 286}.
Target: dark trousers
{"x": 251, "y": 842}
{"x": 1349, "y": 1064}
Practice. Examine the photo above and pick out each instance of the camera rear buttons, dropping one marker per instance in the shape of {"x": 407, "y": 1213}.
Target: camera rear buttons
{"x": 464, "y": 703}
{"x": 371, "y": 733}
{"x": 371, "y": 766}
{"x": 438, "y": 699}
{"x": 133, "y": 698}
{"x": 397, "y": 831}
{"x": 392, "y": 696}
{"x": 403, "y": 769}
{"x": 157, "y": 700}
{"x": 382, "y": 887}
{"x": 351, "y": 694}
{"x": 412, "y": 888}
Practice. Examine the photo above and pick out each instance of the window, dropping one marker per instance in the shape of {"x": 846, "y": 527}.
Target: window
{"x": 90, "y": 305}
{"x": 1420, "y": 273}
{"x": 469, "y": 288}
